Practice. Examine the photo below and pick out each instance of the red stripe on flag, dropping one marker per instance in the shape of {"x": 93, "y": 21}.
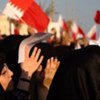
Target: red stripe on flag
{"x": 93, "y": 36}
{"x": 97, "y": 17}
{"x": 65, "y": 26}
{"x": 35, "y": 17}
{"x": 80, "y": 31}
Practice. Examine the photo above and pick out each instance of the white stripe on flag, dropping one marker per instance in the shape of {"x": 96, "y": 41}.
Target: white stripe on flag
{"x": 13, "y": 11}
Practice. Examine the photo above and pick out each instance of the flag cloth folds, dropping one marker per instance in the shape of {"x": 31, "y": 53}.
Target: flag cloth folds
{"x": 97, "y": 17}
{"x": 27, "y": 11}
{"x": 77, "y": 32}
{"x": 63, "y": 23}
{"x": 16, "y": 8}
{"x": 36, "y": 18}
{"x": 92, "y": 33}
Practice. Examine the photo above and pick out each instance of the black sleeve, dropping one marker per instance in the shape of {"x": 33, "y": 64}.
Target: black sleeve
{"x": 17, "y": 95}
{"x": 1, "y": 93}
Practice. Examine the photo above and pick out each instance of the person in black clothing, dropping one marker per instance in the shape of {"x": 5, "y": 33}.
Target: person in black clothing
{"x": 28, "y": 67}
{"x": 2, "y": 61}
{"x": 78, "y": 76}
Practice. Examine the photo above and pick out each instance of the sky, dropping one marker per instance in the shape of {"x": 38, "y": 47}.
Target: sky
{"x": 80, "y": 11}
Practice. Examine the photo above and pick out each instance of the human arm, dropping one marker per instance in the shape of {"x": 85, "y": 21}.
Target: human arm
{"x": 50, "y": 70}
{"x": 29, "y": 66}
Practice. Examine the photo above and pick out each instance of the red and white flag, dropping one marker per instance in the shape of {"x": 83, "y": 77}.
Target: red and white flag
{"x": 16, "y": 31}
{"x": 92, "y": 33}
{"x": 97, "y": 17}
{"x": 36, "y": 18}
{"x": 16, "y": 8}
{"x": 27, "y": 11}
{"x": 77, "y": 32}
{"x": 63, "y": 24}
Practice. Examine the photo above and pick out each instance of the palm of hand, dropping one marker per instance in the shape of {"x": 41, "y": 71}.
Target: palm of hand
{"x": 31, "y": 64}
{"x": 50, "y": 70}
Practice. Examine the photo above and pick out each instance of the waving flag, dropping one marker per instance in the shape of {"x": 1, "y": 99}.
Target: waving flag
{"x": 77, "y": 32}
{"x": 97, "y": 17}
{"x": 27, "y": 11}
{"x": 92, "y": 33}
{"x": 36, "y": 18}
{"x": 63, "y": 24}
{"x": 16, "y": 8}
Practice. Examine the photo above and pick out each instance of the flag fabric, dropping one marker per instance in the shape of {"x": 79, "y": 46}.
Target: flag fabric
{"x": 27, "y": 11}
{"x": 16, "y": 31}
{"x": 21, "y": 4}
{"x": 31, "y": 41}
{"x": 65, "y": 26}
{"x": 77, "y": 32}
{"x": 36, "y": 18}
{"x": 92, "y": 33}
{"x": 56, "y": 27}
{"x": 16, "y": 8}
{"x": 62, "y": 23}
{"x": 97, "y": 17}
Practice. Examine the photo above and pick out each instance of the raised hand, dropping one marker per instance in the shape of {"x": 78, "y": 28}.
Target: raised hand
{"x": 50, "y": 70}
{"x": 32, "y": 63}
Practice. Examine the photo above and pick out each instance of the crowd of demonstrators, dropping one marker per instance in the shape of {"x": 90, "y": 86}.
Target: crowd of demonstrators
{"x": 49, "y": 72}
{"x": 78, "y": 77}
{"x": 21, "y": 73}
{"x": 28, "y": 67}
{"x": 67, "y": 39}
{"x": 54, "y": 40}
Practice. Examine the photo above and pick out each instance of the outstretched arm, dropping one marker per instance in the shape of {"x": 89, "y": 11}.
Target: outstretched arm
{"x": 47, "y": 76}
{"x": 29, "y": 66}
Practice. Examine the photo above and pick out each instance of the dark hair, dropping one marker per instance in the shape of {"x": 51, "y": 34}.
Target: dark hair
{"x": 2, "y": 60}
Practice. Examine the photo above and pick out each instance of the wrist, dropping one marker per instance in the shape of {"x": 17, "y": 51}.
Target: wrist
{"x": 24, "y": 83}
{"x": 25, "y": 80}
{"x": 26, "y": 75}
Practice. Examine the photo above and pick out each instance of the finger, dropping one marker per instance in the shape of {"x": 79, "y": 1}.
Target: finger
{"x": 26, "y": 52}
{"x": 48, "y": 64}
{"x": 37, "y": 54}
{"x": 52, "y": 62}
{"x": 40, "y": 60}
{"x": 40, "y": 68}
{"x": 34, "y": 52}
{"x": 55, "y": 60}
{"x": 58, "y": 63}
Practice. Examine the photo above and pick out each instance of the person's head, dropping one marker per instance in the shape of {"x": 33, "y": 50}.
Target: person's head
{"x": 5, "y": 72}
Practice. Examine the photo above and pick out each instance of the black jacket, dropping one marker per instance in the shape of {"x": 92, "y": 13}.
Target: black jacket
{"x": 1, "y": 93}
